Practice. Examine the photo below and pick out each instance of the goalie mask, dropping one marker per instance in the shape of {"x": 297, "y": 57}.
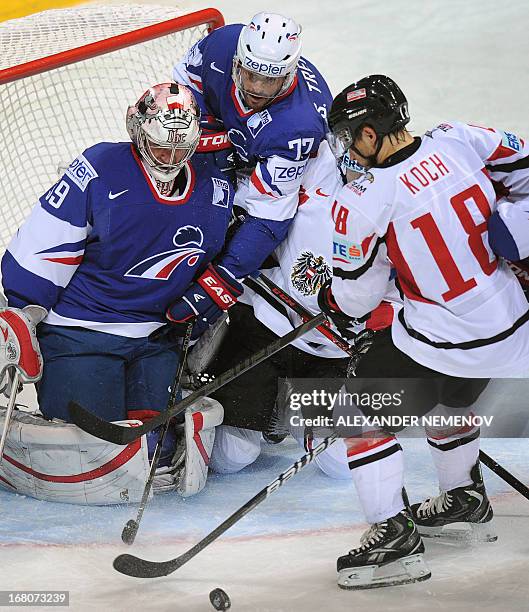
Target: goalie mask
{"x": 266, "y": 60}
{"x": 164, "y": 125}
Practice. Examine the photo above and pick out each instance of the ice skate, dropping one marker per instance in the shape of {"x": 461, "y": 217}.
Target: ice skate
{"x": 459, "y": 514}
{"x": 390, "y": 553}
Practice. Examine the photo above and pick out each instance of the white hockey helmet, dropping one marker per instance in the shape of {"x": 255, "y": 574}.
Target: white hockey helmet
{"x": 269, "y": 46}
{"x": 164, "y": 125}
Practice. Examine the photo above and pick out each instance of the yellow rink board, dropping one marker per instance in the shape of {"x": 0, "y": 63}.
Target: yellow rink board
{"x": 19, "y": 8}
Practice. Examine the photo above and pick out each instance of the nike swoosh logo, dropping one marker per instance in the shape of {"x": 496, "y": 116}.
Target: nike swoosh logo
{"x": 320, "y": 193}
{"x": 113, "y": 196}
{"x": 213, "y": 67}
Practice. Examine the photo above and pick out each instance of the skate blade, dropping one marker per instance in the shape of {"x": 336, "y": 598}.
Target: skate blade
{"x": 461, "y": 532}
{"x": 402, "y": 571}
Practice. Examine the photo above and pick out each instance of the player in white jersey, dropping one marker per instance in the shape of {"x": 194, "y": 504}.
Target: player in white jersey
{"x": 301, "y": 264}
{"x": 423, "y": 208}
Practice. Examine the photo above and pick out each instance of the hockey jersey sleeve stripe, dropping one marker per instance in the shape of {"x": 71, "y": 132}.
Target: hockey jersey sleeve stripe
{"x": 519, "y": 164}
{"x": 22, "y": 287}
{"x": 357, "y": 273}
{"x": 256, "y": 182}
{"x": 500, "y": 153}
{"x": 67, "y": 261}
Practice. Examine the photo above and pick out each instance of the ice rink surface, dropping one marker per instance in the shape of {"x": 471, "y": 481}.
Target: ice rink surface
{"x": 455, "y": 60}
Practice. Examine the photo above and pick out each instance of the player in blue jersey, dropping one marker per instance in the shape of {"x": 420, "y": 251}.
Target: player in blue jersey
{"x": 273, "y": 104}
{"x": 128, "y": 228}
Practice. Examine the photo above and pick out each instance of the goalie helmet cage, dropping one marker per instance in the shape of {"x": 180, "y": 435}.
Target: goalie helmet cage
{"x": 66, "y": 79}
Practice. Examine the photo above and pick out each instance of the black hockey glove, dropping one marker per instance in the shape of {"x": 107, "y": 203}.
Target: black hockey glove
{"x": 343, "y": 323}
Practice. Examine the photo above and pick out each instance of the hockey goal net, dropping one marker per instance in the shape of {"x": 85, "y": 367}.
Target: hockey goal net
{"x": 66, "y": 79}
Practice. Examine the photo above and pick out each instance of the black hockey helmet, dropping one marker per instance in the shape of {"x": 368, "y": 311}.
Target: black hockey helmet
{"x": 375, "y": 100}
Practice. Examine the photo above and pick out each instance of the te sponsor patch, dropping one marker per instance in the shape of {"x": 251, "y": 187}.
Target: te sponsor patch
{"x": 511, "y": 141}
{"x": 347, "y": 251}
{"x": 81, "y": 172}
{"x": 258, "y": 121}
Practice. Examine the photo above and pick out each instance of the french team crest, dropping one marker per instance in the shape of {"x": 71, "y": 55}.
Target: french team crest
{"x": 188, "y": 240}
{"x": 309, "y": 273}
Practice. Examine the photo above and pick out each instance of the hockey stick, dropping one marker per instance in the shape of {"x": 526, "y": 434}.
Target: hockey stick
{"x": 282, "y": 296}
{"x": 9, "y": 411}
{"x": 130, "y": 530}
{"x": 500, "y": 471}
{"x": 262, "y": 281}
{"x": 118, "y": 434}
{"x": 141, "y": 568}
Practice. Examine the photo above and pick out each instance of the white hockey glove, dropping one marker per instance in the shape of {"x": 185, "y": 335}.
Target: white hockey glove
{"x": 19, "y": 348}
{"x": 200, "y": 422}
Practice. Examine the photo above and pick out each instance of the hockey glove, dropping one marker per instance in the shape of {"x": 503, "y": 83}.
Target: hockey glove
{"x": 343, "y": 323}
{"x": 207, "y": 298}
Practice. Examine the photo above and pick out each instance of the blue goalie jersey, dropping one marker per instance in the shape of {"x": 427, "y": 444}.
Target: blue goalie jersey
{"x": 273, "y": 145}
{"x": 102, "y": 249}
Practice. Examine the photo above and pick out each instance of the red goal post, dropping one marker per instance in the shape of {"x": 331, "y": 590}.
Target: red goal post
{"x": 66, "y": 79}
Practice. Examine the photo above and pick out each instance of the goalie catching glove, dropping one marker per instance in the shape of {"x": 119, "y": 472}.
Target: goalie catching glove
{"x": 207, "y": 298}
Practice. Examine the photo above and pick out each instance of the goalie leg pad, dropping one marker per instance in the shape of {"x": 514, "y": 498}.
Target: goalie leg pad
{"x": 200, "y": 422}
{"x": 57, "y": 461}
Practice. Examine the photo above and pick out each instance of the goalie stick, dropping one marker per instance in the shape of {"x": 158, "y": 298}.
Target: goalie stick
{"x": 9, "y": 412}
{"x": 130, "y": 530}
{"x": 141, "y": 568}
{"x": 118, "y": 434}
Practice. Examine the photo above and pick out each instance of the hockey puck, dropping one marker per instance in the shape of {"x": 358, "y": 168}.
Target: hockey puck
{"x": 219, "y": 599}
{"x": 129, "y": 532}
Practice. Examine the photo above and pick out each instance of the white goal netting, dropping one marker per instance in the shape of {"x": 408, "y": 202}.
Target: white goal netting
{"x": 50, "y": 117}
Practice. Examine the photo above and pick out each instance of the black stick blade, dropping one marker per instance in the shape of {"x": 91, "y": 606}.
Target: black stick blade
{"x": 104, "y": 430}
{"x": 140, "y": 568}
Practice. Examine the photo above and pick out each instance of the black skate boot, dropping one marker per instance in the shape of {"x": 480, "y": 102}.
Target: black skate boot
{"x": 390, "y": 553}
{"x": 461, "y": 513}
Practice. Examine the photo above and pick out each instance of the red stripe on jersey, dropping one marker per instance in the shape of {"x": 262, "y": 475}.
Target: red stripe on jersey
{"x": 501, "y": 152}
{"x": 361, "y": 446}
{"x": 112, "y": 465}
{"x": 256, "y": 182}
{"x": 481, "y": 127}
{"x": 381, "y": 317}
{"x": 197, "y": 83}
{"x": 404, "y": 274}
{"x": 366, "y": 242}
{"x": 67, "y": 261}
